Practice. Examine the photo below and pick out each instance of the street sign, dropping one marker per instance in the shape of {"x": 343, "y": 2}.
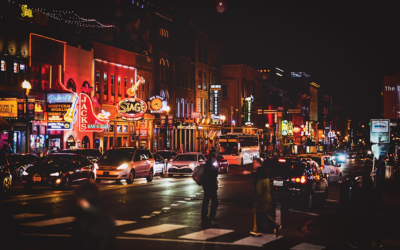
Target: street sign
{"x": 380, "y": 150}
{"x": 379, "y": 131}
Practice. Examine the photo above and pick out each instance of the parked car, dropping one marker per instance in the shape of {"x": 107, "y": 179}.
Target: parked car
{"x": 59, "y": 170}
{"x": 17, "y": 164}
{"x": 168, "y": 155}
{"x": 160, "y": 164}
{"x": 91, "y": 154}
{"x": 327, "y": 165}
{"x": 185, "y": 163}
{"x": 5, "y": 174}
{"x": 292, "y": 178}
{"x": 126, "y": 164}
{"x": 222, "y": 164}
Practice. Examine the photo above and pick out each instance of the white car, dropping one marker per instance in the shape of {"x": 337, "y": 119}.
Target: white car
{"x": 185, "y": 163}
{"x": 125, "y": 164}
{"x": 160, "y": 164}
{"x": 328, "y": 166}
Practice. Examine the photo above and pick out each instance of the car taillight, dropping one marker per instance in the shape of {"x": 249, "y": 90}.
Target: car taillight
{"x": 321, "y": 167}
{"x": 282, "y": 160}
{"x": 301, "y": 179}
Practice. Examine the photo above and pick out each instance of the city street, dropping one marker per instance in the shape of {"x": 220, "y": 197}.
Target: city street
{"x": 166, "y": 213}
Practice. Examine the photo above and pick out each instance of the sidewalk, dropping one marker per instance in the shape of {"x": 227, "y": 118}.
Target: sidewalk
{"x": 338, "y": 228}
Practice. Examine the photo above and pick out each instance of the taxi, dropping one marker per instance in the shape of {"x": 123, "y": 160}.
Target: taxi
{"x": 328, "y": 165}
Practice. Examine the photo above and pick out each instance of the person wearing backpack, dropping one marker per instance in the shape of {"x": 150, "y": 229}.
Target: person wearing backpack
{"x": 210, "y": 187}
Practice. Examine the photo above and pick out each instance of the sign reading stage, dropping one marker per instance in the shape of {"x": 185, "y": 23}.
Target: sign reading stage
{"x": 131, "y": 108}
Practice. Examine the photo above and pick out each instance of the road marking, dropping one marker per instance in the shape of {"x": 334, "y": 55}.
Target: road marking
{"x": 278, "y": 213}
{"x": 332, "y": 200}
{"x": 307, "y": 246}
{"x": 291, "y": 210}
{"x": 257, "y": 241}
{"x": 146, "y": 216}
{"x": 123, "y": 222}
{"x": 155, "y": 229}
{"x": 166, "y": 208}
{"x": 174, "y": 205}
{"x": 181, "y": 201}
{"x": 157, "y": 212}
{"x": 198, "y": 193}
{"x": 50, "y": 222}
{"x": 206, "y": 234}
{"x": 188, "y": 199}
{"x": 26, "y": 215}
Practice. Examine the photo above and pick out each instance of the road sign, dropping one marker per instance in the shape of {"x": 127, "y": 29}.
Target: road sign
{"x": 379, "y": 131}
{"x": 380, "y": 150}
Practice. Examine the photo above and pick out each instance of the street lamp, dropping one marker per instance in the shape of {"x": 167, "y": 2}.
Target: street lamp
{"x": 27, "y": 86}
{"x": 267, "y": 125}
{"x": 232, "y": 124}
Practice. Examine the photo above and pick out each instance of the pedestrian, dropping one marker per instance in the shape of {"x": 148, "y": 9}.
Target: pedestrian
{"x": 210, "y": 187}
{"x": 262, "y": 200}
{"x": 93, "y": 228}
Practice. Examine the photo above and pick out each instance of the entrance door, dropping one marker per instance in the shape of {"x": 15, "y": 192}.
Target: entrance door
{"x": 71, "y": 142}
{"x": 85, "y": 142}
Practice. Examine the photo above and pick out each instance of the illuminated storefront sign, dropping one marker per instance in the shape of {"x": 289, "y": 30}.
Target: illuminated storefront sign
{"x": 296, "y": 128}
{"x": 88, "y": 121}
{"x": 216, "y": 102}
{"x": 284, "y": 127}
{"x": 306, "y": 129}
{"x": 39, "y": 110}
{"x": 61, "y": 110}
{"x": 8, "y": 107}
{"x": 132, "y": 108}
{"x": 290, "y": 128}
{"x": 55, "y": 121}
{"x": 249, "y": 100}
{"x": 25, "y": 11}
{"x": 60, "y": 98}
{"x": 157, "y": 104}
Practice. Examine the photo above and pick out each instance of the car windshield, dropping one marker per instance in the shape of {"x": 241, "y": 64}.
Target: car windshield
{"x": 14, "y": 159}
{"x": 186, "y": 158}
{"x": 86, "y": 152}
{"x": 118, "y": 155}
{"x": 284, "y": 169}
{"x": 166, "y": 155}
{"x": 60, "y": 160}
{"x": 317, "y": 160}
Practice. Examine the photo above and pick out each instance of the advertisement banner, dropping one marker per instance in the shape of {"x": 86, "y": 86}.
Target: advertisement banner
{"x": 39, "y": 110}
{"x": 196, "y": 115}
{"x": 170, "y": 122}
{"x": 284, "y": 127}
{"x": 55, "y": 121}
{"x": 88, "y": 121}
{"x": 163, "y": 121}
{"x": 379, "y": 132}
{"x": 21, "y": 108}
{"x": 8, "y": 107}
{"x": 31, "y": 108}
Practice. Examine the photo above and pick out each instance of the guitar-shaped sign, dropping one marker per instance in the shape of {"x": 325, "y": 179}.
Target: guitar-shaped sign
{"x": 70, "y": 116}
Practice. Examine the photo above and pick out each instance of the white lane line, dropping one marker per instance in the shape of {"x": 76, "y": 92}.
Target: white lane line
{"x": 181, "y": 201}
{"x": 26, "y": 215}
{"x": 174, "y": 205}
{"x": 206, "y": 234}
{"x": 257, "y": 241}
{"x": 332, "y": 200}
{"x": 188, "y": 199}
{"x": 50, "y": 222}
{"x": 166, "y": 208}
{"x": 123, "y": 222}
{"x": 278, "y": 213}
{"x": 156, "y": 229}
{"x": 291, "y": 210}
{"x": 198, "y": 193}
{"x": 157, "y": 212}
{"x": 146, "y": 216}
{"x": 307, "y": 246}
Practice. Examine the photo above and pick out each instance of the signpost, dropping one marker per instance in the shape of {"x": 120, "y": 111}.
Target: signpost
{"x": 380, "y": 136}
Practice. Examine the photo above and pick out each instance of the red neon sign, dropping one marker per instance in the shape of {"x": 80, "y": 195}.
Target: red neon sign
{"x": 88, "y": 121}
{"x": 132, "y": 108}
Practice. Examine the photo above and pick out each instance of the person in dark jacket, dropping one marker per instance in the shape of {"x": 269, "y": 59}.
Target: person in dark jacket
{"x": 92, "y": 229}
{"x": 210, "y": 187}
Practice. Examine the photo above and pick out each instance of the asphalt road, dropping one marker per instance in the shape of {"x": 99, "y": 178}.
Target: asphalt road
{"x": 171, "y": 206}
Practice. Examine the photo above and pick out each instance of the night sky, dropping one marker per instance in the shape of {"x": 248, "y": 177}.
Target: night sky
{"x": 347, "y": 46}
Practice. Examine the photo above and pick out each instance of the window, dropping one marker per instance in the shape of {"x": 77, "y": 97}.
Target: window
{"x": 204, "y": 107}
{"x": 119, "y": 86}
{"x": 199, "y": 80}
{"x": 131, "y": 82}
{"x": 178, "y": 110}
{"x": 15, "y": 67}
{"x": 183, "y": 107}
{"x": 199, "y": 105}
{"x": 112, "y": 85}
{"x": 97, "y": 85}
{"x": 224, "y": 90}
{"x": 105, "y": 84}
{"x": 3, "y": 65}
{"x": 205, "y": 81}
{"x": 205, "y": 55}
{"x": 125, "y": 84}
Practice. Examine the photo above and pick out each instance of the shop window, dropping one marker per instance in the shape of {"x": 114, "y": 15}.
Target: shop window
{"x": 111, "y": 128}
{"x": 126, "y": 86}
{"x": 105, "y": 143}
{"x": 125, "y": 128}
{"x": 119, "y": 129}
{"x": 205, "y": 81}
{"x": 112, "y": 85}
{"x": 15, "y": 67}
{"x": 97, "y": 86}
{"x": 199, "y": 79}
{"x": 125, "y": 141}
{"x": 224, "y": 90}
{"x": 105, "y": 86}
{"x": 111, "y": 142}
{"x": 85, "y": 142}
{"x": 119, "y": 86}
{"x": 131, "y": 129}
{"x": 119, "y": 141}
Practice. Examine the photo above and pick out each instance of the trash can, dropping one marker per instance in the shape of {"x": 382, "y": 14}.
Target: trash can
{"x": 349, "y": 190}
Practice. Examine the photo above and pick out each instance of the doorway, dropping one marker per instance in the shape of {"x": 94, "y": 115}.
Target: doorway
{"x": 85, "y": 142}
{"x": 71, "y": 142}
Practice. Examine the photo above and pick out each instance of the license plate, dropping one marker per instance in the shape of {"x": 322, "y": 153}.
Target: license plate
{"x": 37, "y": 178}
{"x": 106, "y": 173}
{"x": 278, "y": 183}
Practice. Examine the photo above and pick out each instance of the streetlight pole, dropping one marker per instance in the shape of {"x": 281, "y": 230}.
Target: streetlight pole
{"x": 167, "y": 108}
{"x": 232, "y": 124}
{"x": 27, "y": 86}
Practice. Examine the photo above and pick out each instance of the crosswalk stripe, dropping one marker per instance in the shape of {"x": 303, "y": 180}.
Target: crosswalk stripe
{"x": 307, "y": 246}
{"x": 156, "y": 229}
{"x": 256, "y": 241}
{"x": 123, "y": 222}
{"x": 50, "y": 222}
{"x": 26, "y": 215}
{"x": 206, "y": 234}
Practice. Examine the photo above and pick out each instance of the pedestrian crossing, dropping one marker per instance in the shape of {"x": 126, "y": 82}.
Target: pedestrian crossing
{"x": 209, "y": 235}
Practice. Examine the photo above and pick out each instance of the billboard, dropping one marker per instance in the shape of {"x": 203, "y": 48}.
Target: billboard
{"x": 391, "y": 97}
{"x": 380, "y": 130}
{"x": 8, "y": 107}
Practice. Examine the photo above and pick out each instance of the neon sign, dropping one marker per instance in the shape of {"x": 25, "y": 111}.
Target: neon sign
{"x": 249, "y": 100}
{"x": 88, "y": 121}
{"x": 60, "y": 98}
{"x": 290, "y": 128}
{"x": 284, "y": 127}
{"x": 25, "y": 11}
{"x": 132, "y": 108}
{"x": 296, "y": 128}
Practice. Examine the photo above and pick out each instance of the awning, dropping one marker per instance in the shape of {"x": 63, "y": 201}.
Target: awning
{"x": 4, "y": 124}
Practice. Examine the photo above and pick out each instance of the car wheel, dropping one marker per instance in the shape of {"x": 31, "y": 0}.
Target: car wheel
{"x": 131, "y": 177}
{"x": 163, "y": 171}
{"x": 67, "y": 183}
{"x": 6, "y": 183}
{"x": 170, "y": 175}
{"x": 242, "y": 162}
{"x": 150, "y": 177}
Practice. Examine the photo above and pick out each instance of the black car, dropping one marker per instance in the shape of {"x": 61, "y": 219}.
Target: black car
{"x": 294, "y": 178}
{"x": 167, "y": 154}
{"x": 91, "y": 154}
{"x": 5, "y": 174}
{"x": 59, "y": 170}
{"x": 17, "y": 164}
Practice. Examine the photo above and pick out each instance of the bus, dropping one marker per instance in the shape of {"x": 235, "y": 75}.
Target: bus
{"x": 239, "y": 149}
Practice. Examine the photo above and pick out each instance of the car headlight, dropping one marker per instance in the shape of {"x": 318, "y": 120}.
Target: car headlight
{"x": 123, "y": 166}
{"x": 25, "y": 173}
{"x": 342, "y": 158}
{"x": 55, "y": 174}
{"x": 192, "y": 165}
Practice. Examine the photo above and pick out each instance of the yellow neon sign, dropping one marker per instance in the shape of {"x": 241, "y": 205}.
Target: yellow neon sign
{"x": 26, "y": 12}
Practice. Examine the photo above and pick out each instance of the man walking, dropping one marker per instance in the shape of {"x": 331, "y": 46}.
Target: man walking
{"x": 210, "y": 187}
